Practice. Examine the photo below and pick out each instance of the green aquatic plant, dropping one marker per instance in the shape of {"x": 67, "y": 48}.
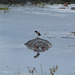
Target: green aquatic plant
{"x": 4, "y": 8}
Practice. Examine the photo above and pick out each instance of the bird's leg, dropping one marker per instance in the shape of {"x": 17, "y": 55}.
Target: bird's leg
{"x": 36, "y": 55}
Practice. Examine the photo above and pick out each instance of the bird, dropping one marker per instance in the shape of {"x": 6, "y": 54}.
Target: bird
{"x": 38, "y": 45}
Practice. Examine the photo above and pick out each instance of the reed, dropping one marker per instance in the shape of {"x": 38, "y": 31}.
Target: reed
{"x": 41, "y": 69}
{"x": 53, "y": 70}
{"x": 32, "y": 70}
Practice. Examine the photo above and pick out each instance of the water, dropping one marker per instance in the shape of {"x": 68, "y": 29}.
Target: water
{"x": 17, "y": 26}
